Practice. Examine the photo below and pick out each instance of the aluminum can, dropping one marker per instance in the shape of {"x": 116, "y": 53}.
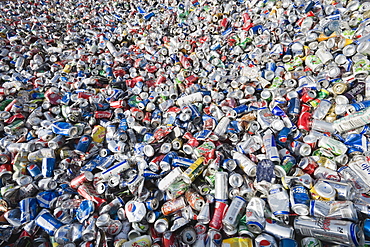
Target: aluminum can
{"x": 310, "y": 242}
{"x": 47, "y": 167}
{"x": 83, "y": 144}
{"x": 288, "y": 242}
{"x": 234, "y": 212}
{"x": 195, "y": 200}
{"x": 255, "y": 218}
{"x": 299, "y": 199}
{"x": 278, "y": 229}
{"x": 48, "y": 222}
{"x": 218, "y": 215}
{"x": 332, "y": 231}
{"x": 214, "y": 238}
{"x": 278, "y": 200}
{"x": 112, "y": 227}
{"x": 34, "y": 171}
{"x": 345, "y": 191}
{"x": 188, "y": 235}
{"x": 265, "y": 239}
{"x": 169, "y": 240}
{"x": 171, "y": 207}
{"x": 28, "y": 207}
{"x": 336, "y": 147}
{"x": 80, "y": 179}
{"x": 221, "y": 186}
{"x": 323, "y": 191}
{"x": 161, "y": 225}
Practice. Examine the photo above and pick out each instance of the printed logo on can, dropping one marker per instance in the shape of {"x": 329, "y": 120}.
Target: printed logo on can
{"x": 131, "y": 207}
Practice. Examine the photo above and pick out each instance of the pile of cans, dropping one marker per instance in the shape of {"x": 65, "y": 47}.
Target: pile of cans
{"x": 171, "y": 123}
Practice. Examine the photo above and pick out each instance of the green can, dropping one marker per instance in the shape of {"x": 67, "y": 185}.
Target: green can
{"x": 310, "y": 242}
{"x": 14, "y": 127}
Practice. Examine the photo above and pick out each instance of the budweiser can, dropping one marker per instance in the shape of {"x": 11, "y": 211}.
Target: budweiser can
{"x": 328, "y": 230}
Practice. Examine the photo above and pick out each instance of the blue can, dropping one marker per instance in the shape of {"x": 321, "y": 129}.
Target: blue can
{"x": 48, "y": 222}
{"x": 288, "y": 242}
{"x": 265, "y": 171}
{"x": 34, "y": 171}
{"x": 101, "y": 106}
{"x": 294, "y": 108}
{"x": 28, "y": 207}
{"x": 282, "y": 138}
{"x": 44, "y": 198}
{"x": 47, "y": 168}
{"x": 271, "y": 66}
{"x": 182, "y": 162}
{"x": 83, "y": 144}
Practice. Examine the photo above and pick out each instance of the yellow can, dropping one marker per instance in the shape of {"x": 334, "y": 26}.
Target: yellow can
{"x": 98, "y": 133}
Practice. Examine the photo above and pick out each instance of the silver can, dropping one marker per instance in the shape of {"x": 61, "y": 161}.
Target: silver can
{"x": 233, "y": 214}
{"x": 332, "y": 231}
{"x": 221, "y": 186}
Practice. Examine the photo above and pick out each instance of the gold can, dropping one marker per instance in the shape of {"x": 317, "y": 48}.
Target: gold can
{"x": 339, "y": 88}
{"x": 98, "y": 134}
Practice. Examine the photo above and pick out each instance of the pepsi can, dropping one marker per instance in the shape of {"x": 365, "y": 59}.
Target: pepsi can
{"x": 28, "y": 207}
{"x": 47, "y": 168}
{"x": 46, "y": 221}
{"x": 83, "y": 144}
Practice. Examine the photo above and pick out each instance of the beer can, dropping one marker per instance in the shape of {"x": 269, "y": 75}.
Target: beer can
{"x": 299, "y": 199}
{"x": 233, "y": 214}
{"x": 190, "y": 174}
{"x": 278, "y": 229}
{"x": 329, "y": 230}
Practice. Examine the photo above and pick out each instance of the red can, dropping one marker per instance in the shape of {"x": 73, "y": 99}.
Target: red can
{"x": 308, "y": 165}
{"x": 220, "y": 210}
{"x": 304, "y": 121}
{"x": 171, "y": 207}
{"x": 169, "y": 240}
{"x": 102, "y": 114}
{"x": 80, "y": 179}
{"x": 89, "y": 193}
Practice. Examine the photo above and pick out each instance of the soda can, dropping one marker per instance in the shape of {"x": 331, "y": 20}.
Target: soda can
{"x": 47, "y": 167}
{"x": 345, "y": 191}
{"x": 310, "y": 242}
{"x": 83, "y": 144}
{"x": 195, "y": 200}
{"x": 248, "y": 166}
{"x": 169, "y": 240}
{"x": 171, "y": 207}
{"x": 214, "y": 238}
{"x": 265, "y": 239}
{"x": 111, "y": 227}
{"x": 326, "y": 173}
{"x": 188, "y": 235}
{"x": 48, "y": 222}
{"x": 218, "y": 215}
{"x": 57, "y": 142}
{"x": 193, "y": 171}
{"x": 234, "y": 212}
{"x": 221, "y": 186}
{"x": 28, "y": 207}
{"x": 299, "y": 199}
{"x": 255, "y": 219}
{"x": 80, "y": 179}
{"x": 288, "y": 242}
{"x": 329, "y": 230}
{"x": 278, "y": 200}
{"x": 323, "y": 191}
{"x": 34, "y": 171}
{"x": 47, "y": 184}
{"x": 98, "y": 134}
